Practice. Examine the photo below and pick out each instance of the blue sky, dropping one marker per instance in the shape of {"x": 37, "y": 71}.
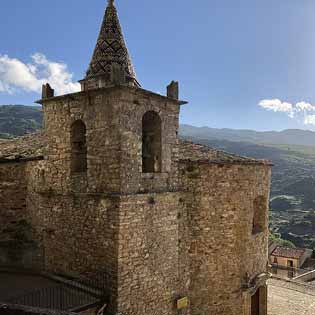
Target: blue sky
{"x": 228, "y": 55}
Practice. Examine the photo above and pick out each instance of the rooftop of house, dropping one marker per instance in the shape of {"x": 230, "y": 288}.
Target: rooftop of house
{"x": 29, "y": 147}
{"x": 32, "y": 147}
{"x": 271, "y": 247}
{"x": 288, "y": 252}
{"x": 202, "y": 154}
{"x": 8, "y": 309}
{"x": 46, "y": 291}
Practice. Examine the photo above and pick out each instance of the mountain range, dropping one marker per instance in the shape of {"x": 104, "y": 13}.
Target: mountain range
{"x": 289, "y": 136}
{"x": 17, "y": 120}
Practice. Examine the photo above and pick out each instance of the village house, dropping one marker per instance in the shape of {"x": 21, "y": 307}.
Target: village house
{"x": 288, "y": 257}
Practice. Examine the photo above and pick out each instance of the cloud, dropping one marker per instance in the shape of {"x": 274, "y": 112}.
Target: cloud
{"x": 16, "y": 76}
{"x": 276, "y": 105}
{"x": 302, "y": 111}
{"x": 302, "y": 106}
{"x": 309, "y": 120}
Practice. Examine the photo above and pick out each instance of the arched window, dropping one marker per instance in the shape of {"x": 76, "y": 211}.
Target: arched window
{"x": 260, "y": 213}
{"x": 78, "y": 147}
{"x": 151, "y": 143}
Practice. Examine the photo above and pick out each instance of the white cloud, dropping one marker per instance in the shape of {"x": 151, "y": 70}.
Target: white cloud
{"x": 301, "y": 111}
{"x": 16, "y": 75}
{"x": 303, "y": 106}
{"x": 309, "y": 120}
{"x": 276, "y": 105}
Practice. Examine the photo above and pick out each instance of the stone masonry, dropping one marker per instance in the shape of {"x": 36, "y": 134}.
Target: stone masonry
{"x": 178, "y": 228}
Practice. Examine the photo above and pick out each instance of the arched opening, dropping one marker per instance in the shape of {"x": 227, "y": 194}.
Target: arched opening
{"x": 78, "y": 147}
{"x": 151, "y": 143}
{"x": 260, "y": 210}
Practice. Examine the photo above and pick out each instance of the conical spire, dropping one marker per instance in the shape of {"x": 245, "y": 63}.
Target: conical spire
{"x": 111, "y": 63}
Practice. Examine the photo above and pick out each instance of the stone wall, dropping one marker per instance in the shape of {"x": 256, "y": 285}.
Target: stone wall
{"x": 19, "y": 244}
{"x": 13, "y": 191}
{"x": 133, "y": 106}
{"x": 149, "y": 281}
{"x": 80, "y": 235}
{"x": 113, "y": 119}
{"x": 221, "y": 250}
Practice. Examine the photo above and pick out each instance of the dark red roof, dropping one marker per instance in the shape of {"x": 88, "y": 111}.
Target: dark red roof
{"x": 288, "y": 252}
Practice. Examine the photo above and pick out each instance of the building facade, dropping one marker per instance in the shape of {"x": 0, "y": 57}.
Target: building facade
{"x": 287, "y": 257}
{"x": 178, "y": 228}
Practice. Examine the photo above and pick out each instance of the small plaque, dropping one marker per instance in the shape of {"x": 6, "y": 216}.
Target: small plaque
{"x": 182, "y": 303}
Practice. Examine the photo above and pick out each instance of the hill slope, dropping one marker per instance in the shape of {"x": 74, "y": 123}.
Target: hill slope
{"x": 17, "y": 120}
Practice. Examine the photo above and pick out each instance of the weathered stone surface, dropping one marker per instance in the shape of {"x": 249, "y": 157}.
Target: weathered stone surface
{"x": 30, "y": 147}
{"x": 220, "y": 249}
{"x": 290, "y": 298}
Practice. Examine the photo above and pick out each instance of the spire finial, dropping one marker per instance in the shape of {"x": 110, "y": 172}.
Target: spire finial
{"x": 111, "y": 62}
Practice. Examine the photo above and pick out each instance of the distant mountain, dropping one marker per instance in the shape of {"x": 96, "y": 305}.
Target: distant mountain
{"x": 290, "y": 136}
{"x": 17, "y": 120}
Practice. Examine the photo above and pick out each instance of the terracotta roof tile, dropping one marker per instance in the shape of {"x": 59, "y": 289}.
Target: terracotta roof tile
{"x": 32, "y": 146}
{"x": 288, "y": 252}
{"x": 23, "y": 148}
{"x": 202, "y": 154}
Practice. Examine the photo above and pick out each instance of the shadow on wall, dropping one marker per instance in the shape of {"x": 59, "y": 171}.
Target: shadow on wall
{"x": 17, "y": 249}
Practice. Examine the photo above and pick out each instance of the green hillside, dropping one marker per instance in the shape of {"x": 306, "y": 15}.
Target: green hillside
{"x": 17, "y": 120}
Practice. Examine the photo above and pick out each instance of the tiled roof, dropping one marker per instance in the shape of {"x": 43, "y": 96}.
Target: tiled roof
{"x": 6, "y": 309}
{"x": 288, "y": 252}
{"x": 202, "y": 154}
{"x": 32, "y": 147}
{"x": 29, "y": 147}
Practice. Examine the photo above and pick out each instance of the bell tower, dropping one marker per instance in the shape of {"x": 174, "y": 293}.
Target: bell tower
{"x": 113, "y": 151}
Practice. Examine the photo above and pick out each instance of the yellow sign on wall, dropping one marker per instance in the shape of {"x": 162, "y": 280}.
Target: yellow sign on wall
{"x": 182, "y": 303}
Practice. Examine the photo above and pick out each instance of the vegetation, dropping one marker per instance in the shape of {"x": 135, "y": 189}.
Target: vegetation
{"x": 280, "y": 241}
{"x": 17, "y": 120}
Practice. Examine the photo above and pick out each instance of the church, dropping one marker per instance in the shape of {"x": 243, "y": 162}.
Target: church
{"x": 176, "y": 227}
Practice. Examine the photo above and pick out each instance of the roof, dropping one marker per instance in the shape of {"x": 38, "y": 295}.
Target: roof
{"x": 288, "y": 252}
{"x": 111, "y": 50}
{"x": 29, "y": 147}
{"x": 202, "y": 154}
{"x": 7, "y": 309}
{"x": 32, "y": 147}
{"x": 271, "y": 247}
{"x": 108, "y": 89}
